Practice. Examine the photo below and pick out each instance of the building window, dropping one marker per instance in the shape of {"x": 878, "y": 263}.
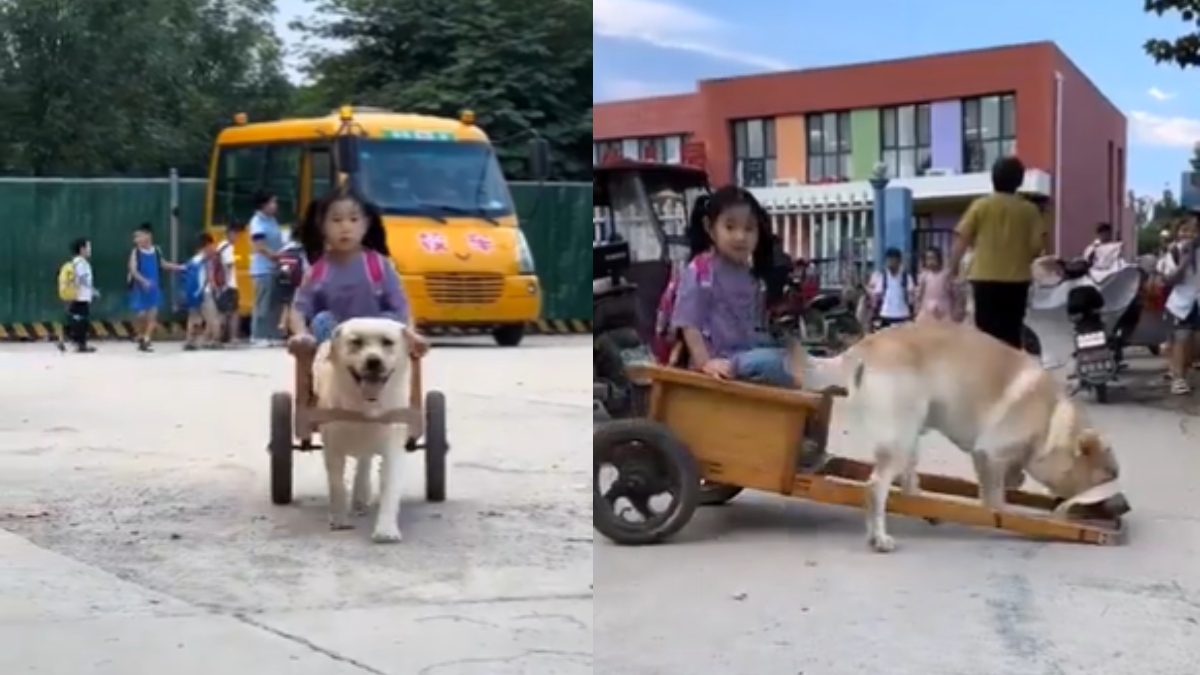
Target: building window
{"x": 905, "y": 140}
{"x": 989, "y": 131}
{"x": 829, "y": 147}
{"x": 754, "y": 152}
{"x": 666, "y": 149}
{"x": 605, "y": 151}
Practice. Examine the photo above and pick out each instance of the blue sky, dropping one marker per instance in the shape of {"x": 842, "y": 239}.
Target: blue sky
{"x": 646, "y": 47}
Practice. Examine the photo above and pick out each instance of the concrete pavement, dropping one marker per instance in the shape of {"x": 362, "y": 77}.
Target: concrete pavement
{"x": 141, "y": 539}
{"x": 143, "y": 542}
{"x": 769, "y": 586}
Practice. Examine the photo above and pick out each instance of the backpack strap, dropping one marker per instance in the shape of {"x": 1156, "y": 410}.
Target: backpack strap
{"x": 704, "y": 269}
{"x": 318, "y": 270}
{"x": 375, "y": 270}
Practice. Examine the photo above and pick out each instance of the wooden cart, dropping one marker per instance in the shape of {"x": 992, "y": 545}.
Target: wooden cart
{"x": 700, "y": 430}
{"x": 295, "y": 420}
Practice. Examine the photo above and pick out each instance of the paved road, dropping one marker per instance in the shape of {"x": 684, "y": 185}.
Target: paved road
{"x": 143, "y": 541}
{"x": 766, "y": 586}
{"x": 136, "y": 486}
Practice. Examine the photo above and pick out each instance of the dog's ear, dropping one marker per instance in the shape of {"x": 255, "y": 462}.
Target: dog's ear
{"x": 335, "y": 339}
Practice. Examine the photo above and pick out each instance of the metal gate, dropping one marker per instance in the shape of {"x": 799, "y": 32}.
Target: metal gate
{"x": 835, "y": 231}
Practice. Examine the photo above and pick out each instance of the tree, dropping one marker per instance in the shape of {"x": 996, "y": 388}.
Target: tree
{"x": 523, "y": 66}
{"x": 130, "y": 86}
{"x": 1184, "y": 50}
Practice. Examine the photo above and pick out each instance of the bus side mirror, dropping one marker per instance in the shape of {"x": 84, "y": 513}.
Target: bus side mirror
{"x": 539, "y": 159}
{"x": 346, "y": 149}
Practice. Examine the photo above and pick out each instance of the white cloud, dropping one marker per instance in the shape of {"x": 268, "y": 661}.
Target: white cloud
{"x": 1164, "y": 132}
{"x": 669, "y": 26}
{"x": 1159, "y": 95}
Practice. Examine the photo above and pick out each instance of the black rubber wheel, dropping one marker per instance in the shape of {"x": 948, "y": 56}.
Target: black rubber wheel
{"x": 715, "y": 494}
{"x": 650, "y": 461}
{"x": 1102, "y": 393}
{"x": 437, "y": 446}
{"x": 510, "y": 335}
{"x": 281, "y": 448}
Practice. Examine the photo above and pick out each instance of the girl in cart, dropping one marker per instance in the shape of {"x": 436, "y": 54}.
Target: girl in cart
{"x": 351, "y": 274}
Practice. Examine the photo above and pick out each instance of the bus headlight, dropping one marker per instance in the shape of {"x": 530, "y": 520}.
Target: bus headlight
{"x": 525, "y": 263}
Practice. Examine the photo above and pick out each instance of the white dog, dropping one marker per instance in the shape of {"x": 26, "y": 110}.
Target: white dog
{"x": 364, "y": 369}
{"x": 990, "y": 400}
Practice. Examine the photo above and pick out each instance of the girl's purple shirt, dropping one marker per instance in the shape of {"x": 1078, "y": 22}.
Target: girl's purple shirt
{"x": 347, "y": 292}
{"x": 725, "y": 305}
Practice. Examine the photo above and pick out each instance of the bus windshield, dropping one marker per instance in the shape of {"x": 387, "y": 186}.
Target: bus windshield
{"x": 433, "y": 178}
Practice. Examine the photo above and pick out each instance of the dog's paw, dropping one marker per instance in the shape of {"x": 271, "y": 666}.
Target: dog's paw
{"x": 340, "y": 524}
{"x": 390, "y": 535}
{"x": 881, "y": 543}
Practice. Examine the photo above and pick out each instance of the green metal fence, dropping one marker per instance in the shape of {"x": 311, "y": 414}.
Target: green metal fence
{"x": 41, "y": 217}
{"x": 557, "y": 219}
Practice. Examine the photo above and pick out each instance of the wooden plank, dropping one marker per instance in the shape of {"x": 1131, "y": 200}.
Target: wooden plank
{"x": 860, "y": 472}
{"x": 678, "y": 376}
{"x": 833, "y": 491}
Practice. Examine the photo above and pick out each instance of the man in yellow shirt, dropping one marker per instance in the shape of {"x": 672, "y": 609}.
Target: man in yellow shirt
{"x": 1007, "y": 233}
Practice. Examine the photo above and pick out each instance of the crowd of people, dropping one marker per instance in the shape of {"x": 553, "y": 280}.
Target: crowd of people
{"x": 207, "y": 283}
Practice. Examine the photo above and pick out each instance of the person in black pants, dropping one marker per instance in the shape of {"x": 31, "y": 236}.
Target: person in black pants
{"x": 79, "y": 310}
{"x": 1007, "y": 233}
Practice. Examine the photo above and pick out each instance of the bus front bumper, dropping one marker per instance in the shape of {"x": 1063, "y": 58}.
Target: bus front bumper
{"x": 464, "y": 301}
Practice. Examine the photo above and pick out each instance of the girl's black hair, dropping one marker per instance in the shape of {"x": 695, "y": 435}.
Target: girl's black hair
{"x": 310, "y": 231}
{"x": 77, "y": 245}
{"x": 708, "y": 208}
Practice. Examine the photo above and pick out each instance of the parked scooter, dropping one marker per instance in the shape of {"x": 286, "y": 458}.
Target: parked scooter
{"x": 1083, "y": 321}
{"x": 824, "y": 321}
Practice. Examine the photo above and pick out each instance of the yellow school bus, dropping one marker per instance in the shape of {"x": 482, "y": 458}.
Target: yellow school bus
{"x": 451, "y": 225}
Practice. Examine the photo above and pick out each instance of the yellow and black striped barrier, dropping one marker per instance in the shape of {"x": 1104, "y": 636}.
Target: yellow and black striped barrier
{"x": 48, "y": 331}
{"x": 534, "y": 328}
{"x": 124, "y": 330}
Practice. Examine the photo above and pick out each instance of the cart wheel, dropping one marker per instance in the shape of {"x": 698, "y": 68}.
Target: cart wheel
{"x": 715, "y": 494}
{"x": 281, "y": 448}
{"x": 645, "y": 483}
{"x": 437, "y": 446}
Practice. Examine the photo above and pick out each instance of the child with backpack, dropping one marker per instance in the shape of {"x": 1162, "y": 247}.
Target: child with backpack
{"x": 202, "y": 275}
{"x": 350, "y": 275}
{"x": 716, "y": 307}
{"x": 77, "y": 288}
{"x": 145, "y": 276}
{"x": 892, "y": 291}
{"x": 292, "y": 264}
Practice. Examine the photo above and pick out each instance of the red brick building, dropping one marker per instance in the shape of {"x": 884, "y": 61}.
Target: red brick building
{"x": 932, "y": 119}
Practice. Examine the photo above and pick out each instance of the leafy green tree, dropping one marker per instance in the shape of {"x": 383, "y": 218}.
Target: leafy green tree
{"x": 523, "y": 66}
{"x": 1183, "y": 50}
{"x": 123, "y": 87}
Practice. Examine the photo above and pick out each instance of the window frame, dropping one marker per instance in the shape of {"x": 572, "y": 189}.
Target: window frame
{"x": 979, "y": 142}
{"x": 743, "y": 149}
{"x": 919, "y": 142}
{"x": 839, "y": 152}
{"x": 226, "y": 207}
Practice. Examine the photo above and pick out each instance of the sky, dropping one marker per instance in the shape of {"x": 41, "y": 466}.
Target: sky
{"x": 649, "y": 47}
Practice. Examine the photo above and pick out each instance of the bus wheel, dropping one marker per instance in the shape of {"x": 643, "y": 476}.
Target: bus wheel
{"x": 509, "y": 335}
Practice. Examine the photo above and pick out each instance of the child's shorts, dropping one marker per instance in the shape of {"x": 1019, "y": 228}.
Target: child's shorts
{"x": 764, "y": 365}
{"x": 322, "y": 326}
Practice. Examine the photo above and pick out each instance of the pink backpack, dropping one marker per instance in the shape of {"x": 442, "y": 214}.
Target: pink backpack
{"x": 665, "y": 339}
{"x": 374, "y": 262}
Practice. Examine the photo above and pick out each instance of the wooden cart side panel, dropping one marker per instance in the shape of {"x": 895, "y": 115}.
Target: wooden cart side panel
{"x": 749, "y": 443}
{"x": 833, "y": 491}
